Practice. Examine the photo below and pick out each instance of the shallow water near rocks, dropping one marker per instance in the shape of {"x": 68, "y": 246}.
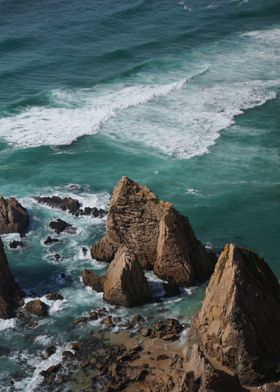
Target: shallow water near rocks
{"x": 182, "y": 96}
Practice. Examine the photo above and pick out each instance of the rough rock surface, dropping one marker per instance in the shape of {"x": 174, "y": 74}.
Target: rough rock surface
{"x": 236, "y": 332}
{"x": 155, "y": 232}
{"x": 11, "y": 296}
{"x": 93, "y": 280}
{"x": 13, "y": 216}
{"x": 65, "y": 204}
{"x": 37, "y": 307}
{"x": 125, "y": 283}
{"x": 71, "y": 205}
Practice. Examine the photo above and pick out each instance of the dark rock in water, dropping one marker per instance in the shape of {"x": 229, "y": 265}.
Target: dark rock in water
{"x": 53, "y": 296}
{"x": 49, "y": 374}
{"x": 171, "y": 289}
{"x": 37, "y": 307}
{"x": 84, "y": 250}
{"x": 16, "y": 244}
{"x": 236, "y": 332}
{"x": 60, "y": 226}
{"x": 13, "y": 216}
{"x": 66, "y": 355}
{"x": 158, "y": 235}
{"x": 65, "y": 204}
{"x": 125, "y": 283}
{"x": 11, "y": 296}
{"x": 57, "y": 257}
{"x": 93, "y": 280}
{"x": 51, "y": 240}
{"x": 50, "y": 351}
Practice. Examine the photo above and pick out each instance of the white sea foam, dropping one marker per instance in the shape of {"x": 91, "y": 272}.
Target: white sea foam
{"x": 39, "y": 126}
{"x": 7, "y": 324}
{"x": 32, "y": 383}
{"x": 177, "y": 118}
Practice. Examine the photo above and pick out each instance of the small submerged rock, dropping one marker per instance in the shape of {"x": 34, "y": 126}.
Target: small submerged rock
{"x": 50, "y": 240}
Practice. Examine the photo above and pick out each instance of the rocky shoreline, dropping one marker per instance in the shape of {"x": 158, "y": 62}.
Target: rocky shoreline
{"x": 232, "y": 343}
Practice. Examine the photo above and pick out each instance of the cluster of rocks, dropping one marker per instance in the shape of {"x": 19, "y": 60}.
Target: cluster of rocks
{"x": 156, "y": 233}
{"x": 71, "y": 205}
{"x": 60, "y": 226}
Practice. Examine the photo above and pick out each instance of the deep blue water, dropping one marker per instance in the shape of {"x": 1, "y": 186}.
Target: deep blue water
{"x": 182, "y": 96}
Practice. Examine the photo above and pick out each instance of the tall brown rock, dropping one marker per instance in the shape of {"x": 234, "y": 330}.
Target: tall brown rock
{"x": 11, "y": 295}
{"x": 155, "y": 232}
{"x": 236, "y": 332}
{"x": 13, "y": 216}
{"x": 125, "y": 283}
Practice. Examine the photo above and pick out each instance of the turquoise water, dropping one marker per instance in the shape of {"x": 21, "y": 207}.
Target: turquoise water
{"x": 182, "y": 96}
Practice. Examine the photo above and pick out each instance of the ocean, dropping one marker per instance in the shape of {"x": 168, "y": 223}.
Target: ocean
{"x": 182, "y": 96}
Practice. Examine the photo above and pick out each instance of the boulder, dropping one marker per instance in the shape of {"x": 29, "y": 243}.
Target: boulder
{"x": 93, "y": 280}
{"x": 50, "y": 240}
{"x": 54, "y": 296}
{"x": 60, "y": 226}
{"x": 125, "y": 283}
{"x": 11, "y": 296}
{"x": 236, "y": 332}
{"x": 37, "y": 307}
{"x": 13, "y": 216}
{"x": 160, "y": 237}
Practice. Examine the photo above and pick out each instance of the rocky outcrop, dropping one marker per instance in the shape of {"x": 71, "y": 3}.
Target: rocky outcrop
{"x": 71, "y": 205}
{"x": 160, "y": 237}
{"x": 125, "y": 283}
{"x": 37, "y": 307}
{"x": 60, "y": 226}
{"x": 11, "y": 296}
{"x": 93, "y": 280}
{"x": 236, "y": 332}
{"x": 13, "y": 216}
{"x": 65, "y": 204}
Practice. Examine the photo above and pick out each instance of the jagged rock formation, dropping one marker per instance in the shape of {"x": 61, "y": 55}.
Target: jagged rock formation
{"x": 155, "y": 232}
{"x": 125, "y": 283}
{"x": 13, "y": 216}
{"x": 11, "y": 296}
{"x": 73, "y": 206}
{"x": 236, "y": 333}
{"x": 93, "y": 280}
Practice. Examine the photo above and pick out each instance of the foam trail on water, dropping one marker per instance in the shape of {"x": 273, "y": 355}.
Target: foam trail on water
{"x": 38, "y": 126}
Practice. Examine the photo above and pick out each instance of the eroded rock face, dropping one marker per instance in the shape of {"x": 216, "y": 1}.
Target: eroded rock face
{"x": 93, "y": 280}
{"x": 13, "y": 216}
{"x": 125, "y": 283}
{"x": 237, "y": 329}
{"x": 155, "y": 232}
{"x": 11, "y": 296}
